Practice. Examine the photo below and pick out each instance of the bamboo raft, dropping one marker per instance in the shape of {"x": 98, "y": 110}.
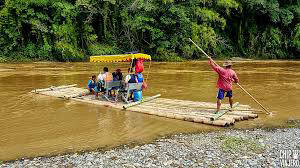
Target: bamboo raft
{"x": 198, "y": 112}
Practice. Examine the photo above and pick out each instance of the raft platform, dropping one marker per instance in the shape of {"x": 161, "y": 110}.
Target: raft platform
{"x": 192, "y": 111}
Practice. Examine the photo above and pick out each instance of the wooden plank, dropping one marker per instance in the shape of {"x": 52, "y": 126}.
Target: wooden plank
{"x": 218, "y": 115}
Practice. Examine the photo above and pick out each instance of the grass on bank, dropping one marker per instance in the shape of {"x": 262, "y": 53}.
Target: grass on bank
{"x": 239, "y": 144}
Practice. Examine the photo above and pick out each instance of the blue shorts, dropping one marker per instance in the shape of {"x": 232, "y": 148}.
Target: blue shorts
{"x": 221, "y": 94}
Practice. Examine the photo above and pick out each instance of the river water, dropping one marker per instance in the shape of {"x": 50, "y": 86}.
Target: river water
{"x": 34, "y": 125}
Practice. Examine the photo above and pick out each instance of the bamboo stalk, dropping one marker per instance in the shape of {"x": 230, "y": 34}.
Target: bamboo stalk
{"x": 206, "y": 114}
{"x": 198, "y": 119}
{"x": 209, "y": 114}
{"x": 249, "y": 115}
{"x": 230, "y": 119}
{"x": 140, "y": 102}
{"x": 267, "y": 111}
{"x": 200, "y": 107}
{"x": 52, "y": 88}
{"x": 187, "y": 102}
{"x": 218, "y": 115}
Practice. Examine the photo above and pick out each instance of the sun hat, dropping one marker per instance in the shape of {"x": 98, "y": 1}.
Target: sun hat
{"x": 227, "y": 63}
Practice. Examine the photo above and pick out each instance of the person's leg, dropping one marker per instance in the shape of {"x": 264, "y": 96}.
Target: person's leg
{"x": 218, "y": 105}
{"x": 96, "y": 91}
{"x": 229, "y": 95}
{"x": 230, "y": 101}
{"x": 220, "y": 97}
{"x": 93, "y": 92}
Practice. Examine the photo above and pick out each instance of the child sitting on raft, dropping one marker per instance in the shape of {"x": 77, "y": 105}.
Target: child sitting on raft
{"x": 92, "y": 86}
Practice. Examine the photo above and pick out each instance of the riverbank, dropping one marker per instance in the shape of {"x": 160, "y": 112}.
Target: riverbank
{"x": 235, "y": 59}
{"x": 231, "y": 148}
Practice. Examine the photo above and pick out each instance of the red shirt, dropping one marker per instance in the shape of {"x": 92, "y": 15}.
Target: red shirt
{"x": 226, "y": 77}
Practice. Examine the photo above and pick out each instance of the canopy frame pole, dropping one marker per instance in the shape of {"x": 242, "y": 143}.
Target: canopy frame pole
{"x": 148, "y": 71}
{"x": 130, "y": 67}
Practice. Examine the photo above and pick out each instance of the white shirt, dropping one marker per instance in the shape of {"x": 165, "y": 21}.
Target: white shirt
{"x": 127, "y": 78}
{"x": 100, "y": 77}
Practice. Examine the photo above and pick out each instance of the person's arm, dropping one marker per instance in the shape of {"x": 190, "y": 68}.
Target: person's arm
{"x": 214, "y": 66}
{"x": 89, "y": 83}
{"x": 235, "y": 78}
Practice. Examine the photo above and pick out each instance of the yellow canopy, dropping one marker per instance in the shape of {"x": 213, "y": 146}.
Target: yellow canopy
{"x": 118, "y": 58}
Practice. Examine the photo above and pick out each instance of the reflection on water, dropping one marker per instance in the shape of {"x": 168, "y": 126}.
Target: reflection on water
{"x": 33, "y": 125}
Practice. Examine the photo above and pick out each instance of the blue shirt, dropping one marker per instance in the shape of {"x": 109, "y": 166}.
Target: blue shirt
{"x": 92, "y": 84}
{"x": 140, "y": 78}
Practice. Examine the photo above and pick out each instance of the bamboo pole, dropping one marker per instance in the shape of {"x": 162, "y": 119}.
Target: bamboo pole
{"x": 267, "y": 111}
{"x": 207, "y": 115}
{"x": 53, "y": 88}
{"x": 179, "y": 116}
{"x": 187, "y": 102}
{"x": 148, "y": 71}
{"x": 218, "y": 115}
{"x": 189, "y": 112}
{"x": 140, "y": 102}
{"x": 187, "y": 105}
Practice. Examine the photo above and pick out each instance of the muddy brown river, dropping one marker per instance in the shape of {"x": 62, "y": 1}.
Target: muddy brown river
{"x": 34, "y": 125}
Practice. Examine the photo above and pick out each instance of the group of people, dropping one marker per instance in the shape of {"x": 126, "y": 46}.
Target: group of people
{"x": 226, "y": 77}
{"x": 96, "y": 85}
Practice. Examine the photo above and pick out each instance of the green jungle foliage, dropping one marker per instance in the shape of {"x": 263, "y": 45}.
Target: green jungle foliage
{"x": 72, "y": 30}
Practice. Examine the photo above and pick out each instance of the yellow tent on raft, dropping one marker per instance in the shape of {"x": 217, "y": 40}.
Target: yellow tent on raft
{"x": 119, "y": 58}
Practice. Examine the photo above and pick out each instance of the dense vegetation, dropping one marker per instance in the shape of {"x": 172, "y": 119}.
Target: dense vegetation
{"x": 71, "y": 30}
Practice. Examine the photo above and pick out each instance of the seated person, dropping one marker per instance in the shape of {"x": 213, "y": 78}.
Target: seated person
{"x": 130, "y": 78}
{"x": 140, "y": 77}
{"x": 107, "y": 77}
{"x": 92, "y": 86}
{"x": 117, "y": 76}
{"x": 100, "y": 82}
{"x": 104, "y": 77}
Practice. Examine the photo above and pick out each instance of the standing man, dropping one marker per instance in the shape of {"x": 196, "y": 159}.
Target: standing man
{"x": 226, "y": 77}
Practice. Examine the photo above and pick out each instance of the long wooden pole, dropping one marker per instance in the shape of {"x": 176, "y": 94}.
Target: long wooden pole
{"x": 253, "y": 98}
{"x": 267, "y": 111}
